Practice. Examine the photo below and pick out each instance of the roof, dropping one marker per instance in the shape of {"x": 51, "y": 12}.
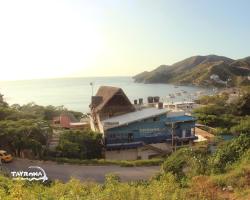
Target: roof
{"x": 180, "y": 119}
{"x": 180, "y": 102}
{"x": 69, "y": 115}
{"x": 78, "y": 123}
{"x": 107, "y": 92}
{"x": 184, "y": 102}
{"x": 134, "y": 116}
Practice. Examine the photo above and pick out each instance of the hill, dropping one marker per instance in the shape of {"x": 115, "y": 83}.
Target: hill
{"x": 200, "y": 70}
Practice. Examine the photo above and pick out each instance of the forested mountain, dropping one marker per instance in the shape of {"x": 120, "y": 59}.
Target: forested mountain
{"x": 200, "y": 70}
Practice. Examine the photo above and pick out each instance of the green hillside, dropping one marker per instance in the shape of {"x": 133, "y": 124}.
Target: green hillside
{"x": 197, "y": 70}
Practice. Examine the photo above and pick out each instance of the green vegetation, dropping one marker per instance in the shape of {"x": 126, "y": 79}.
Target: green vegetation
{"x": 186, "y": 161}
{"x": 80, "y": 144}
{"x": 229, "y": 153}
{"x": 24, "y": 134}
{"x": 26, "y": 129}
{"x": 226, "y": 116}
{"x": 122, "y": 163}
{"x": 42, "y": 112}
{"x": 192, "y": 176}
{"x": 197, "y": 70}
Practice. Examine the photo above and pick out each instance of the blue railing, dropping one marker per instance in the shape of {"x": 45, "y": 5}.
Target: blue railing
{"x": 146, "y": 139}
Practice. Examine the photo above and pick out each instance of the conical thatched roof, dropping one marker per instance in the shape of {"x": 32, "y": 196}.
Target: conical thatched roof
{"x": 107, "y": 92}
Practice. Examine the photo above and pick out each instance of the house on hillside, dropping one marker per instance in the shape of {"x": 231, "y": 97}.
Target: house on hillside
{"x": 67, "y": 120}
{"x": 138, "y": 132}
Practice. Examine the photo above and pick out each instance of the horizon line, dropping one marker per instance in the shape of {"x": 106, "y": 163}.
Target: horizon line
{"x": 66, "y": 77}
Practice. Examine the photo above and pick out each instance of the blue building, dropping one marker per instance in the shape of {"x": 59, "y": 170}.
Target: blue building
{"x": 138, "y": 131}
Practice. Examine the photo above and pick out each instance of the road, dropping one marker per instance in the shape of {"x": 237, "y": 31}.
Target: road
{"x": 64, "y": 172}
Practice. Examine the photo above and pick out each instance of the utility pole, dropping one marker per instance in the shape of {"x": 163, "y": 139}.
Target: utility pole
{"x": 92, "y": 87}
{"x": 173, "y": 142}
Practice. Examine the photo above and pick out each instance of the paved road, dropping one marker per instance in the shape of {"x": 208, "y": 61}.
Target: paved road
{"x": 64, "y": 172}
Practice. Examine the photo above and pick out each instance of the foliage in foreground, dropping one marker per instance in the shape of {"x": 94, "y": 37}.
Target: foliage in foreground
{"x": 189, "y": 177}
{"x": 165, "y": 187}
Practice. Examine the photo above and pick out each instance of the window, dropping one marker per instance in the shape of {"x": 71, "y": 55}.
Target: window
{"x": 112, "y": 135}
{"x": 130, "y": 137}
{"x": 184, "y": 133}
{"x": 156, "y": 119}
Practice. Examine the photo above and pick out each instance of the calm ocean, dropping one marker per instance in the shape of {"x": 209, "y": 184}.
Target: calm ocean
{"x": 75, "y": 93}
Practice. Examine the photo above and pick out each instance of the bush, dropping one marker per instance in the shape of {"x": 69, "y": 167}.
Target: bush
{"x": 242, "y": 128}
{"x": 80, "y": 144}
{"x": 186, "y": 163}
{"x": 229, "y": 153}
{"x": 122, "y": 163}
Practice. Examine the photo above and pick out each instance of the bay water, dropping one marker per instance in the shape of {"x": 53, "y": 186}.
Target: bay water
{"x": 75, "y": 93}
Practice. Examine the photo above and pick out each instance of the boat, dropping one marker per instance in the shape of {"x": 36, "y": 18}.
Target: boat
{"x": 171, "y": 95}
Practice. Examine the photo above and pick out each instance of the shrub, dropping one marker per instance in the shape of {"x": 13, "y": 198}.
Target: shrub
{"x": 186, "y": 162}
{"x": 229, "y": 153}
{"x": 80, "y": 144}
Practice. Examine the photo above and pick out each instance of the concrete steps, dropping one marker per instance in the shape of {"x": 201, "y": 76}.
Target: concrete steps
{"x": 54, "y": 141}
{"x": 158, "y": 150}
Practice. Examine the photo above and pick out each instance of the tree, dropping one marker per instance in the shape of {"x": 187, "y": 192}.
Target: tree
{"x": 242, "y": 128}
{"x": 24, "y": 134}
{"x": 85, "y": 144}
{"x": 242, "y": 105}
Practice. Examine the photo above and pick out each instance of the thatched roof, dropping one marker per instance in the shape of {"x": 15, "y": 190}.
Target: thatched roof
{"x": 107, "y": 92}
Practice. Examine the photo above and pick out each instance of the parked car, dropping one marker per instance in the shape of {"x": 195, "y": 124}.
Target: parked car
{"x": 5, "y": 157}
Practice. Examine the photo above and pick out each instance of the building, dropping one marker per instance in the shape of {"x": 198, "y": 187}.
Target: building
{"x": 217, "y": 79}
{"x": 187, "y": 106}
{"x": 108, "y": 102}
{"x": 68, "y": 121}
{"x": 131, "y": 132}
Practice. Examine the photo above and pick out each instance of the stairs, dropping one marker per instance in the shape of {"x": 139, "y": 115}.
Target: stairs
{"x": 54, "y": 141}
{"x": 158, "y": 150}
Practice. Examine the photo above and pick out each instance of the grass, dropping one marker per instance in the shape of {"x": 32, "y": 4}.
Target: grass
{"x": 122, "y": 163}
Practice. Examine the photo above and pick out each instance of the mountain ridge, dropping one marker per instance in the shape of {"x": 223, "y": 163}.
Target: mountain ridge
{"x": 209, "y": 70}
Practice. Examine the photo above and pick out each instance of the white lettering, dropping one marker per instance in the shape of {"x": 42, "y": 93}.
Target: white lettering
{"x": 37, "y": 174}
{"x": 13, "y": 173}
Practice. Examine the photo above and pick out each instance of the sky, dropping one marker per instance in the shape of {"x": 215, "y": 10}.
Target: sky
{"x": 50, "y": 38}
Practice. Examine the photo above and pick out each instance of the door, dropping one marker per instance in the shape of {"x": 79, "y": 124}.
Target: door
{"x": 130, "y": 137}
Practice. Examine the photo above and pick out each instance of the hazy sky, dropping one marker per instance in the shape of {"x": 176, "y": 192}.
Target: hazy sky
{"x": 40, "y": 39}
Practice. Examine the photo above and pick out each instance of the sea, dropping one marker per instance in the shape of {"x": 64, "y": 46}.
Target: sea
{"x": 75, "y": 93}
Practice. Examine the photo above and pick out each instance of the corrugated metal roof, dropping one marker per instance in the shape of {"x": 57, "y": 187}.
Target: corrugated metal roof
{"x": 134, "y": 116}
